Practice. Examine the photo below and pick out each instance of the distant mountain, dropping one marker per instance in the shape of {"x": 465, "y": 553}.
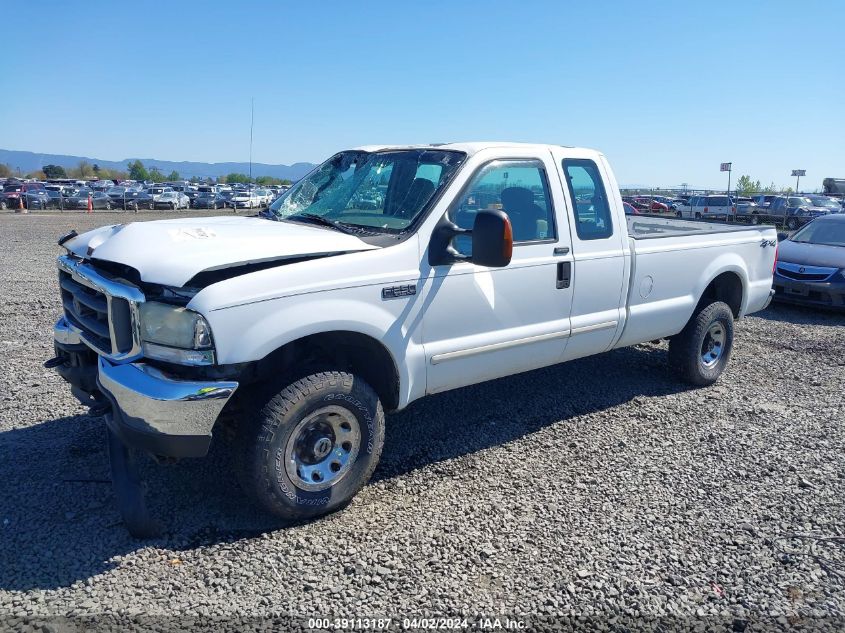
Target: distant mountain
{"x": 30, "y": 161}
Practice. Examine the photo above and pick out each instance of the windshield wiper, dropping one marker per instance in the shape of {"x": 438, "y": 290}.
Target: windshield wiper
{"x": 343, "y": 227}
{"x": 313, "y": 218}
{"x": 268, "y": 215}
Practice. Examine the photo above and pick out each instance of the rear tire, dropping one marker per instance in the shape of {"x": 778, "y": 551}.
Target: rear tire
{"x": 702, "y": 350}
{"x": 312, "y": 447}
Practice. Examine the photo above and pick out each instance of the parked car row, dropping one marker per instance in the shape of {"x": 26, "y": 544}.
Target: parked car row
{"x": 37, "y": 195}
{"x": 790, "y": 211}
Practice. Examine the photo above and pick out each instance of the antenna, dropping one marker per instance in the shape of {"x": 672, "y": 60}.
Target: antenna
{"x": 251, "y": 123}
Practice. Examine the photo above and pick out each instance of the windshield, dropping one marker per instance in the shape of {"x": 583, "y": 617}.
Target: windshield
{"x": 380, "y": 190}
{"x": 824, "y": 232}
{"x": 84, "y": 193}
{"x": 826, "y": 203}
{"x": 799, "y": 202}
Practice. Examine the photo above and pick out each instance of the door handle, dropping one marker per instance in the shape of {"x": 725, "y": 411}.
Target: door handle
{"x": 561, "y": 250}
{"x": 564, "y": 274}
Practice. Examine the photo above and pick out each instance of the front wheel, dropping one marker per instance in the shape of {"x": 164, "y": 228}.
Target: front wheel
{"x": 701, "y": 351}
{"x": 313, "y": 446}
{"x": 108, "y": 206}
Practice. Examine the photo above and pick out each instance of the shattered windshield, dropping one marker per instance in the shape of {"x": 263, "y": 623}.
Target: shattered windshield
{"x": 383, "y": 191}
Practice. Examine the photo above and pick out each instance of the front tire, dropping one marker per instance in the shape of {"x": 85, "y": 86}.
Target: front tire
{"x": 313, "y": 446}
{"x": 702, "y": 350}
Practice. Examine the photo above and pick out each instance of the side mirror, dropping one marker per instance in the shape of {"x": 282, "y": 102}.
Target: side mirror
{"x": 492, "y": 241}
{"x": 782, "y": 236}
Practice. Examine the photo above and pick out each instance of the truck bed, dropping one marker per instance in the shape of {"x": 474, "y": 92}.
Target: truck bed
{"x": 644, "y": 227}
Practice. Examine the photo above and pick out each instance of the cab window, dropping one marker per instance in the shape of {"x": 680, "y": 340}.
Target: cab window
{"x": 589, "y": 199}
{"x": 520, "y": 189}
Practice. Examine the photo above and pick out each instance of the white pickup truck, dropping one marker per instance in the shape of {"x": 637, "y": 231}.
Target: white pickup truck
{"x": 386, "y": 274}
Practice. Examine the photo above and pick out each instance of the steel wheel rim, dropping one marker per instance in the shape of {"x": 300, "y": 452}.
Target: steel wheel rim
{"x": 713, "y": 345}
{"x": 322, "y": 448}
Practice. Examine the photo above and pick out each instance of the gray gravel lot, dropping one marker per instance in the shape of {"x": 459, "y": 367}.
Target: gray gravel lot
{"x": 601, "y": 487}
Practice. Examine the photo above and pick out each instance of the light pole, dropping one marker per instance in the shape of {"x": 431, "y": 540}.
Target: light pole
{"x": 798, "y": 173}
{"x": 727, "y": 167}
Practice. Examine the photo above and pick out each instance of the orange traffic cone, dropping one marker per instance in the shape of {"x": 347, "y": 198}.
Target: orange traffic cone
{"x": 90, "y": 205}
{"x": 20, "y": 203}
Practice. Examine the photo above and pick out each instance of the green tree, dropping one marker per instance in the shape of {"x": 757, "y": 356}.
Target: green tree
{"x": 96, "y": 169}
{"x": 269, "y": 180}
{"x": 5, "y": 170}
{"x": 54, "y": 171}
{"x": 173, "y": 176}
{"x": 237, "y": 178}
{"x": 155, "y": 175}
{"x": 745, "y": 186}
{"x": 137, "y": 171}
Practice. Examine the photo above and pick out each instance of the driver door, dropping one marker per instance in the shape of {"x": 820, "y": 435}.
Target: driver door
{"x": 481, "y": 323}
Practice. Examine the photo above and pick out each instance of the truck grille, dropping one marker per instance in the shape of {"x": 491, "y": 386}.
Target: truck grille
{"x": 103, "y": 310}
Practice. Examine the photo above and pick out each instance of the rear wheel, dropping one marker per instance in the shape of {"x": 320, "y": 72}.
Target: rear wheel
{"x": 701, "y": 351}
{"x": 313, "y": 446}
{"x": 792, "y": 224}
{"x": 697, "y": 216}
{"x": 108, "y": 205}
{"x": 755, "y": 219}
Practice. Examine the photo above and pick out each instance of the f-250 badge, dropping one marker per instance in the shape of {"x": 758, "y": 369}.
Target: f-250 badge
{"x": 394, "y": 292}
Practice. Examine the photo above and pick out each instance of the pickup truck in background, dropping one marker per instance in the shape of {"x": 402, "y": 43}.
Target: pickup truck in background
{"x": 299, "y": 328}
{"x": 793, "y": 211}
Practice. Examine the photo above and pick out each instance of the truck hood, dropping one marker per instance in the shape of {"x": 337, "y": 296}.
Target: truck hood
{"x": 172, "y": 252}
{"x": 811, "y": 254}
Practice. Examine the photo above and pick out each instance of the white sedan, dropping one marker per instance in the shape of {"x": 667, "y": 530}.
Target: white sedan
{"x": 173, "y": 200}
{"x": 245, "y": 200}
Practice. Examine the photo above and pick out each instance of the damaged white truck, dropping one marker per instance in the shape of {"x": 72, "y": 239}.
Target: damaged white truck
{"x": 386, "y": 274}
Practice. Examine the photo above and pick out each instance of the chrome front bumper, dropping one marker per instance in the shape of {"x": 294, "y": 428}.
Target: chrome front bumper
{"x": 158, "y": 414}
{"x": 150, "y": 411}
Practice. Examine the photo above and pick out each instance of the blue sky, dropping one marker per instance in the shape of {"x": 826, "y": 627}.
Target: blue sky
{"x": 667, "y": 90}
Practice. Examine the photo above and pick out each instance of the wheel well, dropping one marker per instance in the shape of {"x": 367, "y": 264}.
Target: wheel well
{"x": 726, "y": 287}
{"x": 340, "y": 350}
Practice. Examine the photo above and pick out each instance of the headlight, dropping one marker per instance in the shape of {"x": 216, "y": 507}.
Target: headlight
{"x": 175, "y": 334}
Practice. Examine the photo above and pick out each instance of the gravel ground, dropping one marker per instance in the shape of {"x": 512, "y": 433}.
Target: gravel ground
{"x": 599, "y": 488}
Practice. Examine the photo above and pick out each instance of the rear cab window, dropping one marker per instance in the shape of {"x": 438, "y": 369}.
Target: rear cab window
{"x": 593, "y": 220}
